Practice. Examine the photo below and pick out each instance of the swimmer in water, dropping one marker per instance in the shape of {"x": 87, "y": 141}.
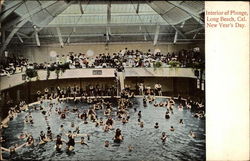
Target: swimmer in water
{"x": 97, "y": 124}
{"x": 101, "y": 121}
{"x": 106, "y": 128}
{"x": 107, "y": 112}
{"x": 163, "y": 137}
{"x": 30, "y": 119}
{"x": 141, "y": 124}
{"x": 23, "y": 135}
{"x": 110, "y": 123}
{"x": 71, "y": 142}
{"x": 118, "y": 136}
{"x": 192, "y": 134}
{"x": 61, "y": 129}
{"x": 82, "y": 142}
{"x": 156, "y": 104}
{"x": 26, "y": 120}
{"x": 130, "y": 148}
{"x": 144, "y": 102}
{"x": 71, "y": 137}
{"x": 124, "y": 120}
{"x": 188, "y": 105}
{"x": 77, "y": 130}
{"x": 85, "y": 122}
{"x": 167, "y": 116}
{"x": 171, "y": 109}
{"x": 171, "y": 128}
{"x": 43, "y": 138}
{"x": 128, "y": 117}
{"x": 63, "y": 116}
{"x": 12, "y": 150}
{"x": 88, "y": 136}
{"x": 161, "y": 104}
{"x": 180, "y": 107}
{"x": 106, "y": 143}
{"x": 75, "y": 109}
{"x": 59, "y": 143}
{"x": 171, "y": 101}
{"x": 49, "y": 134}
{"x": 181, "y": 121}
{"x": 72, "y": 124}
{"x": 156, "y": 125}
{"x": 30, "y": 141}
{"x": 139, "y": 114}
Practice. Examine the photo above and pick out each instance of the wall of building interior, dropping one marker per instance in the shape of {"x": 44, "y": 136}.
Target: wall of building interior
{"x": 42, "y": 54}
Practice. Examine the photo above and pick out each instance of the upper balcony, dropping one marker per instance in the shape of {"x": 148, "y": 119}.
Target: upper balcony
{"x": 19, "y": 78}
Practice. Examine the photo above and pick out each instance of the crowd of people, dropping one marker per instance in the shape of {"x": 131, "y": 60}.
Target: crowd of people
{"x": 77, "y": 91}
{"x": 142, "y": 89}
{"x": 111, "y": 114}
{"x": 119, "y": 60}
{"x": 12, "y": 65}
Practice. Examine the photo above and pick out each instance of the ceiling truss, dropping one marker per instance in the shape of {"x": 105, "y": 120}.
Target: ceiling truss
{"x": 21, "y": 26}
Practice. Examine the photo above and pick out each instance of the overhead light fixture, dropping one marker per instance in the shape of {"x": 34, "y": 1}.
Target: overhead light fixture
{"x": 182, "y": 24}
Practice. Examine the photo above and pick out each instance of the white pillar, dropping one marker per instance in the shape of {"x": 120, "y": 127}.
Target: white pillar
{"x": 120, "y": 76}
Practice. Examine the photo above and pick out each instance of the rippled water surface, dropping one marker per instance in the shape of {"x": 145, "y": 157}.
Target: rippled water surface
{"x": 146, "y": 141}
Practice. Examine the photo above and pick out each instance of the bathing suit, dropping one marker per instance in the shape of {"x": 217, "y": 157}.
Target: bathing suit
{"x": 163, "y": 138}
{"x": 30, "y": 140}
{"x": 71, "y": 142}
{"x": 63, "y": 116}
{"x": 12, "y": 151}
{"x": 117, "y": 137}
{"x": 117, "y": 141}
{"x": 91, "y": 112}
{"x": 59, "y": 142}
{"x": 109, "y": 122}
{"x": 42, "y": 137}
{"x": 49, "y": 134}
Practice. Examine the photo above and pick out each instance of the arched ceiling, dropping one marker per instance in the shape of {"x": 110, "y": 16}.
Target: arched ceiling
{"x": 41, "y": 22}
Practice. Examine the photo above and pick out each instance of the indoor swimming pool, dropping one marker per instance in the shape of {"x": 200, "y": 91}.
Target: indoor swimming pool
{"x": 145, "y": 141}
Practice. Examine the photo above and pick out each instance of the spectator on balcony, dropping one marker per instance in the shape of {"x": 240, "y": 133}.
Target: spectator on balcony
{"x": 63, "y": 60}
{"x": 57, "y": 59}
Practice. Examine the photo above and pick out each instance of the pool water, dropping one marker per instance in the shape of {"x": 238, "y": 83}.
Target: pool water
{"x": 146, "y": 141}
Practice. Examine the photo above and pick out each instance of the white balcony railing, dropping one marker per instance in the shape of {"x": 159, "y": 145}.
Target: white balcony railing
{"x": 17, "y": 79}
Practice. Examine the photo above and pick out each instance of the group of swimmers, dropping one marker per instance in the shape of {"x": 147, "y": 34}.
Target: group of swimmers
{"x": 97, "y": 103}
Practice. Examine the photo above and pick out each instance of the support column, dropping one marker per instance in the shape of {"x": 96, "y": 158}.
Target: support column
{"x": 121, "y": 79}
{"x": 120, "y": 82}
